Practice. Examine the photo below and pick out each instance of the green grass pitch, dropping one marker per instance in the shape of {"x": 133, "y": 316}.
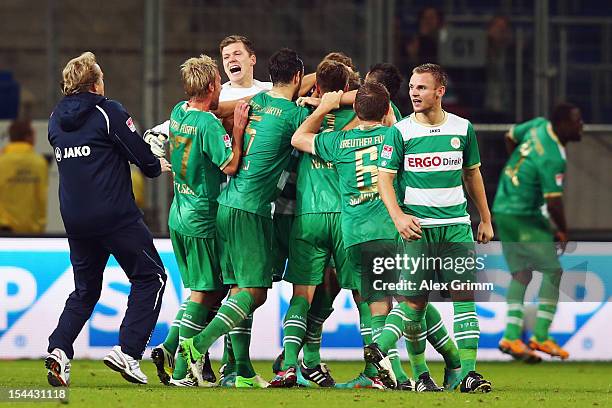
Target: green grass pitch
{"x": 555, "y": 385}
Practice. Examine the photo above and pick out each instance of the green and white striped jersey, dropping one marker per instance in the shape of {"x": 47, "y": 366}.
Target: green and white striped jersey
{"x": 429, "y": 161}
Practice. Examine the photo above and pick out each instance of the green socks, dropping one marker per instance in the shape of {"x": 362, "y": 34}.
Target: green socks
{"x": 240, "y": 336}
{"x": 320, "y": 309}
{"x": 294, "y": 330}
{"x": 192, "y": 323}
{"x": 467, "y": 334}
{"x": 172, "y": 339}
{"x": 547, "y": 305}
{"x": 401, "y": 319}
{"x": 365, "y": 322}
{"x": 230, "y": 314}
{"x": 438, "y": 337}
{"x": 514, "y": 319}
{"x": 416, "y": 344}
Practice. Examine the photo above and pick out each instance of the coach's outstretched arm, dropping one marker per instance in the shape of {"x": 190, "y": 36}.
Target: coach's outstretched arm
{"x": 407, "y": 225}
{"x": 303, "y": 137}
{"x": 124, "y": 134}
{"x": 475, "y": 188}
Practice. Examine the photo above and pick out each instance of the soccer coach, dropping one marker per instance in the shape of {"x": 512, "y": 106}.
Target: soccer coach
{"x": 94, "y": 139}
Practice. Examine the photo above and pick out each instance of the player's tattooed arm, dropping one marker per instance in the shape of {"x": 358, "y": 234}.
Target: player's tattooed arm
{"x": 303, "y": 137}
{"x": 241, "y": 119}
{"x": 475, "y": 188}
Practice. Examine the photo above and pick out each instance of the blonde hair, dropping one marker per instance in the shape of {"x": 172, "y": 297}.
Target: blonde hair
{"x": 197, "y": 74}
{"x": 80, "y": 74}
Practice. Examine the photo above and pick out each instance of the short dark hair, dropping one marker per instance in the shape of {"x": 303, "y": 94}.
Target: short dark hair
{"x": 434, "y": 69}
{"x": 371, "y": 101}
{"x": 332, "y": 76}
{"x": 20, "y": 129}
{"x": 388, "y": 75}
{"x": 561, "y": 112}
{"x": 341, "y": 58}
{"x": 234, "y": 38}
{"x": 283, "y": 65}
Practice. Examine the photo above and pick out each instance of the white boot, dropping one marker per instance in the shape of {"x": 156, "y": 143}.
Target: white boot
{"x": 129, "y": 367}
{"x": 58, "y": 368}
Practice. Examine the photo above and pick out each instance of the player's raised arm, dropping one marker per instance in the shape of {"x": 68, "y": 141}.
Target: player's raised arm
{"x": 241, "y": 118}
{"x": 226, "y": 109}
{"x": 303, "y": 137}
{"x": 308, "y": 82}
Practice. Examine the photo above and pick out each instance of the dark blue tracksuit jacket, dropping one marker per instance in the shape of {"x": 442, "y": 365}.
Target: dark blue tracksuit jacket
{"x": 93, "y": 138}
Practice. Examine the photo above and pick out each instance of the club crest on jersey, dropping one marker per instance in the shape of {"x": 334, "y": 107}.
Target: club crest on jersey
{"x": 130, "y": 124}
{"x": 227, "y": 140}
{"x": 455, "y": 142}
{"x": 387, "y": 151}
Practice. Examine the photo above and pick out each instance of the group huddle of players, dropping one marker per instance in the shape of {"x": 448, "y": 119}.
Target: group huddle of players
{"x": 321, "y": 174}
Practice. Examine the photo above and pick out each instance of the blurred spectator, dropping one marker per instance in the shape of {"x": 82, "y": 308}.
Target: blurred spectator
{"x": 423, "y": 47}
{"x": 138, "y": 187}
{"x": 500, "y": 70}
{"x": 23, "y": 183}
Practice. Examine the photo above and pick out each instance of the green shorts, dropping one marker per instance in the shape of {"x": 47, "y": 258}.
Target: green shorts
{"x": 528, "y": 243}
{"x": 316, "y": 241}
{"x": 365, "y": 261}
{"x": 198, "y": 261}
{"x": 280, "y": 245}
{"x": 443, "y": 255}
{"x": 246, "y": 248}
